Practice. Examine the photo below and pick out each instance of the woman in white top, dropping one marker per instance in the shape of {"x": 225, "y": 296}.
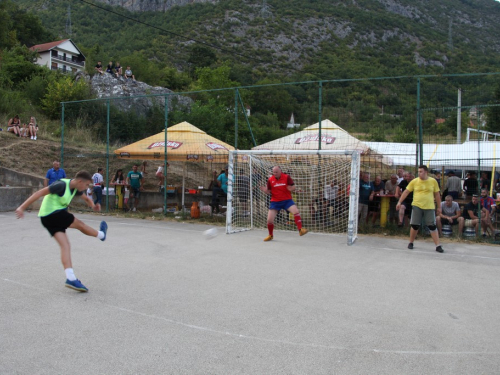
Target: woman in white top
{"x": 32, "y": 128}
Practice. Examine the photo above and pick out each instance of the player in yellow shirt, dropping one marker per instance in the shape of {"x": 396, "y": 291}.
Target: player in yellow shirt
{"x": 425, "y": 190}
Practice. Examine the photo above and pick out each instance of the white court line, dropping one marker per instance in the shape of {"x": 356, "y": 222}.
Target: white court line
{"x": 262, "y": 339}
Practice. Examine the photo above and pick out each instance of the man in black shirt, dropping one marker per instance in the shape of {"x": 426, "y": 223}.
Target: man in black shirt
{"x": 471, "y": 216}
{"x": 470, "y": 185}
{"x": 98, "y": 67}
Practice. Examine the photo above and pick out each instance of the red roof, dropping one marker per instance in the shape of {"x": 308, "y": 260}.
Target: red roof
{"x": 47, "y": 46}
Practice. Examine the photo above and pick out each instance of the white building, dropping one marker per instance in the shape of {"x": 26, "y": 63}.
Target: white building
{"x": 62, "y": 55}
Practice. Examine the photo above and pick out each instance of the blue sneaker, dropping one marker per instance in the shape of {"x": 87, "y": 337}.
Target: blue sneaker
{"x": 76, "y": 285}
{"x": 103, "y": 228}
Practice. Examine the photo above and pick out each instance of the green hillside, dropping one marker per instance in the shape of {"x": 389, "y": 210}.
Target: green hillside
{"x": 242, "y": 43}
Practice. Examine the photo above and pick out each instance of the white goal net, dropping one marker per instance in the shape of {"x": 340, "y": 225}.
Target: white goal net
{"x": 327, "y": 188}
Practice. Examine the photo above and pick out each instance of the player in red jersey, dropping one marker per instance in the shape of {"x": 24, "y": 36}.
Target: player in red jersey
{"x": 280, "y": 186}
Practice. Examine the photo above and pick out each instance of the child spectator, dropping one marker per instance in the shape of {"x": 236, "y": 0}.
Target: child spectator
{"x": 32, "y": 128}
{"x": 98, "y": 68}
{"x": 128, "y": 74}
{"x": 118, "y": 69}
{"x": 110, "y": 68}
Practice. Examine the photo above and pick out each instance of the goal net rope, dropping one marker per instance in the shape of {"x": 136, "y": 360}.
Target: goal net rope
{"x": 326, "y": 194}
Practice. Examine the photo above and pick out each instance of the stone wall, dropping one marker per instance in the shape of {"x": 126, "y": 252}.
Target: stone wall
{"x": 16, "y": 187}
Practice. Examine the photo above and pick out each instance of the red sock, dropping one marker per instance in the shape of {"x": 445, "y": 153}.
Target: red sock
{"x": 270, "y": 228}
{"x": 298, "y": 221}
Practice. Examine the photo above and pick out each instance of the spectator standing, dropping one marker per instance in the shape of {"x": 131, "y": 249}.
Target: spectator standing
{"x": 128, "y": 73}
{"x": 470, "y": 185}
{"x": 161, "y": 176}
{"x": 471, "y": 211}
{"x": 425, "y": 190}
{"x": 14, "y": 125}
{"x": 374, "y": 206}
{"x": 453, "y": 185}
{"x": 485, "y": 181}
{"x": 118, "y": 69}
{"x": 450, "y": 215}
{"x": 220, "y": 188}
{"x": 330, "y": 193}
{"x": 366, "y": 194}
{"x": 390, "y": 189}
{"x": 98, "y": 68}
{"x": 406, "y": 206}
{"x": 438, "y": 179}
{"x": 135, "y": 181}
{"x": 119, "y": 183}
{"x": 144, "y": 165}
{"x": 97, "y": 180}
{"x": 401, "y": 175}
{"x": 33, "y": 128}
{"x": 54, "y": 174}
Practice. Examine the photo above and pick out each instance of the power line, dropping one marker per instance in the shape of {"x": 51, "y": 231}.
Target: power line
{"x": 172, "y": 33}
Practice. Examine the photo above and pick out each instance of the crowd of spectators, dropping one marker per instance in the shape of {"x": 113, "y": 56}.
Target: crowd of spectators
{"x": 115, "y": 70}
{"x": 473, "y": 195}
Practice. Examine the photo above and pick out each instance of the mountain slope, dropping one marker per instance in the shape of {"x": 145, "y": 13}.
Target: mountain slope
{"x": 285, "y": 36}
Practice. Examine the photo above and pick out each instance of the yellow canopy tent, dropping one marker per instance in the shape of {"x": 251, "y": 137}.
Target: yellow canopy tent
{"x": 185, "y": 142}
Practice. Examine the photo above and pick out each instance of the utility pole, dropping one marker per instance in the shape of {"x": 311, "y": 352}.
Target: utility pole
{"x": 68, "y": 22}
{"x": 459, "y": 117}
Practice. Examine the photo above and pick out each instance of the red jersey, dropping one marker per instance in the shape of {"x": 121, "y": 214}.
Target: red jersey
{"x": 278, "y": 189}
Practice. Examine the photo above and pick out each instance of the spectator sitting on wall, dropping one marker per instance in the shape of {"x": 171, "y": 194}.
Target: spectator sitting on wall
{"x": 98, "y": 68}
{"x": 488, "y": 203}
{"x": 14, "y": 125}
{"x": 118, "y": 69}
{"x": 110, "y": 68}
{"x": 128, "y": 74}
{"x": 33, "y": 128}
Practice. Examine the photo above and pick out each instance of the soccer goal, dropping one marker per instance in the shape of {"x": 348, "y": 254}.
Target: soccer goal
{"x": 326, "y": 190}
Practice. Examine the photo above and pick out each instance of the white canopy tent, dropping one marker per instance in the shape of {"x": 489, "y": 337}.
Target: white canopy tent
{"x": 451, "y": 156}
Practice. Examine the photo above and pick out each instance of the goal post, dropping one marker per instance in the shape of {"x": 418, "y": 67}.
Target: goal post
{"x": 326, "y": 194}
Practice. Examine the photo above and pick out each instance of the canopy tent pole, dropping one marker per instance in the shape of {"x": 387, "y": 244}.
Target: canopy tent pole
{"x": 183, "y": 184}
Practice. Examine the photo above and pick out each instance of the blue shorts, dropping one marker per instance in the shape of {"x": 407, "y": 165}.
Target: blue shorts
{"x": 281, "y": 205}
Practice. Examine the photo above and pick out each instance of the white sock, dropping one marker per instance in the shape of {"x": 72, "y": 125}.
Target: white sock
{"x": 70, "y": 274}
{"x": 100, "y": 235}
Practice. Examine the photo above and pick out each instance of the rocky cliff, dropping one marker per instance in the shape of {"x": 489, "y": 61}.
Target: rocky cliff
{"x": 152, "y": 6}
{"x": 135, "y": 96}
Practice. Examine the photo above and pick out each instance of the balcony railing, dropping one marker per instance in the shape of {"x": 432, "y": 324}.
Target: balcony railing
{"x": 68, "y": 60}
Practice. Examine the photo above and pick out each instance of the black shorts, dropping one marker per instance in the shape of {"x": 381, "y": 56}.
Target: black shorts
{"x": 57, "y": 221}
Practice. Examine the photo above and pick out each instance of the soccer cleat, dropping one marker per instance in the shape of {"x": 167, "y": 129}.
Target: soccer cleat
{"x": 303, "y": 231}
{"x": 439, "y": 249}
{"x": 410, "y": 246}
{"x": 76, "y": 285}
{"x": 268, "y": 238}
{"x": 103, "y": 228}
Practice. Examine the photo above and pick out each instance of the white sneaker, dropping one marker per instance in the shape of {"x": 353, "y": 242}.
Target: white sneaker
{"x": 133, "y": 209}
{"x": 31, "y": 137}
{"x": 34, "y": 138}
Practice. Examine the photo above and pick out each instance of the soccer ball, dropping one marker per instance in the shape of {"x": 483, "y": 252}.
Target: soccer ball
{"x": 210, "y": 233}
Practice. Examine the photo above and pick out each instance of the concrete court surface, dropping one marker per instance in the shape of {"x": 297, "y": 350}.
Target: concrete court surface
{"x": 164, "y": 300}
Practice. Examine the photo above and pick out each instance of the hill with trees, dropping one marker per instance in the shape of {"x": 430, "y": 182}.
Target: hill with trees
{"x": 232, "y": 43}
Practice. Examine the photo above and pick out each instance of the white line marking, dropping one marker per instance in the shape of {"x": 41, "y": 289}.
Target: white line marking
{"x": 262, "y": 339}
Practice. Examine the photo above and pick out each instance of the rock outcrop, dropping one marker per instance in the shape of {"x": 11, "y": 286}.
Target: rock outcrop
{"x": 135, "y": 96}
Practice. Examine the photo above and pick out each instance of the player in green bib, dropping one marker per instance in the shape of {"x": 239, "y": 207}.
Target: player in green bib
{"x": 56, "y": 219}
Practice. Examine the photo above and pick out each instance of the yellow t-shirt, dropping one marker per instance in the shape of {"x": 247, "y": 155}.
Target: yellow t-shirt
{"x": 423, "y": 192}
